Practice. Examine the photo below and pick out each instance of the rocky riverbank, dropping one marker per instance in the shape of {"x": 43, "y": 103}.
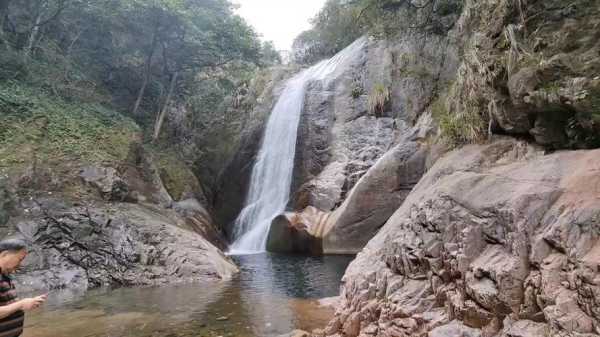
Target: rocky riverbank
{"x": 124, "y": 222}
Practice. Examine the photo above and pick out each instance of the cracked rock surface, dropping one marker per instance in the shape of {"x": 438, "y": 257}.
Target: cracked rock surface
{"x": 495, "y": 240}
{"x": 113, "y": 245}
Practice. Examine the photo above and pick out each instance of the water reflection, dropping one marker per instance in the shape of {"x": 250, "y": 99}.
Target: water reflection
{"x": 273, "y": 294}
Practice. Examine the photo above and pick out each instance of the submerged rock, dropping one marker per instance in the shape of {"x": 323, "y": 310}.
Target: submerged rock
{"x": 296, "y": 333}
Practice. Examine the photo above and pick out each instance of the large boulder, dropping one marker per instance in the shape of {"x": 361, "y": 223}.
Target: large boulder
{"x": 375, "y": 198}
{"x": 104, "y": 245}
{"x": 367, "y": 207}
{"x": 491, "y": 233}
{"x": 298, "y": 233}
{"x": 107, "y": 181}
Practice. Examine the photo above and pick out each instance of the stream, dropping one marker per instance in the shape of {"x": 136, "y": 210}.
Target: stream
{"x": 272, "y": 295}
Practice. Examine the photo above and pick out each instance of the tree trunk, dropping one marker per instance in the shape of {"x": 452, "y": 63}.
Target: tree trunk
{"x": 35, "y": 30}
{"x": 147, "y": 70}
{"x": 4, "y": 7}
{"x": 67, "y": 54}
{"x": 161, "y": 116}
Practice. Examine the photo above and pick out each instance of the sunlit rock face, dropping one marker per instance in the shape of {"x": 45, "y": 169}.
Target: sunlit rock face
{"x": 499, "y": 237}
{"x": 298, "y": 232}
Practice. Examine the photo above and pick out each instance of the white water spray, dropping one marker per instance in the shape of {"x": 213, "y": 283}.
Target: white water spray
{"x": 272, "y": 173}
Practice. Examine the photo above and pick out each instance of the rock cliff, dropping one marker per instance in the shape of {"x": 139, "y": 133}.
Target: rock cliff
{"x": 526, "y": 69}
{"x": 498, "y": 238}
{"x": 118, "y": 223}
{"x": 495, "y": 239}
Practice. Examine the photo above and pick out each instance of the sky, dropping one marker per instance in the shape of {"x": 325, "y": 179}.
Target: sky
{"x": 279, "y": 21}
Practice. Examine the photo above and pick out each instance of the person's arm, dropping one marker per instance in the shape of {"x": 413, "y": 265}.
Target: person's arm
{"x": 9, "y": 309}
{"x": 24, "y": 304}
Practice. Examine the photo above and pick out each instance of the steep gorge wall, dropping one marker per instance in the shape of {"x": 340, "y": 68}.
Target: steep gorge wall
{"x": 498, "y": 239}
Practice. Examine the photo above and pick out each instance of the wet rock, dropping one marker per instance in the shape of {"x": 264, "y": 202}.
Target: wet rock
{"x": 339, "y": 140}
{"x": 296, "y": 333}
{"x": 233, "y": 153}
{"x": 298, "y": 233}
{"x": 199, "y": 220}
{"x": 368, "y": 205}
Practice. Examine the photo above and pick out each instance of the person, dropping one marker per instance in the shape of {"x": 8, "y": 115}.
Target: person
{"x": 12, "y": 310}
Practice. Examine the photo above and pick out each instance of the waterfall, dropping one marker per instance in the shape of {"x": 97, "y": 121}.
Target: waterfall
{"x": 271, "y": 178}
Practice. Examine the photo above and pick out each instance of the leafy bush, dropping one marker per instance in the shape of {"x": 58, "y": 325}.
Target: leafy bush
{"x": 34, "y": 124}
{"x": 175, "y": 174}
{"x": 458, "y": 127}
{"x": 334, "y": 28}
{"x": 340, "y": 22}
{"x": 357, "y": 91}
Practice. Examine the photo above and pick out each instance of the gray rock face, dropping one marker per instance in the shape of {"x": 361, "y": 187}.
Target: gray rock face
{"x": 499, "y": 238}
{"x": 359, "y": 165}
{"x": 106, "y": 245}
{"x": 368, "y": 206}
{"x": 375, "y": 198}
{"x": 107, "y": 181}
{"x": 454, "y": 329}
{"x": 199, "y": 220}
{"x": 339, "y": 139}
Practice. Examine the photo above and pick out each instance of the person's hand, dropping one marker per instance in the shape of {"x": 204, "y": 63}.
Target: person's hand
{"x": 33, "y": 303}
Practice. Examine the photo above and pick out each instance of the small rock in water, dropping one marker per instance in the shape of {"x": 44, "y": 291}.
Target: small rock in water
{"x": 222, "y": 318}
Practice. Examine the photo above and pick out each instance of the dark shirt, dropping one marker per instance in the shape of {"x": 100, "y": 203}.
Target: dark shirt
{"x": 10, "y": 326}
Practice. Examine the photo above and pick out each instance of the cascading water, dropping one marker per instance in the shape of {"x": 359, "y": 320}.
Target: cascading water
{"x": 272, "y": 173}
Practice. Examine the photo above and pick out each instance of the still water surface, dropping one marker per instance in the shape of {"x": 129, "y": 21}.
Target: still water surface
{"x": 273, "y": 294}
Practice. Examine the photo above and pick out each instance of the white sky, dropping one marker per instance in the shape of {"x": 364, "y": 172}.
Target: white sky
{"x": 279, "y": 21}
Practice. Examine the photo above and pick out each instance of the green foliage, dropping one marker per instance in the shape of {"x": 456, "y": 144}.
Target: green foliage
{"x": 458, "y": 127}
{"x": 37, "y": 126}
{"x": 334, "y": 28}
{"x": 102, "y": 51}
{"x": 387, "y": 18}
{"x": 174, "y": 173}
{"x": 341, "y": 21}
{"x": 269, "y": 56}
{"x": 378, "y": 100}
{"x": 357, "y": 91}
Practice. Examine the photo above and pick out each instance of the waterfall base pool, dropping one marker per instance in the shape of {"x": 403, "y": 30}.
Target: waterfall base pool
{"x": 272, "y": 295}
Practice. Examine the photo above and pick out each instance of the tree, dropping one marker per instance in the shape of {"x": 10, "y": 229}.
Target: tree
{"x": 199, "y": 40}
{"x": 269, "y": 56}
{"x": 140, "y": 56}
{"x": 340, "y": 22}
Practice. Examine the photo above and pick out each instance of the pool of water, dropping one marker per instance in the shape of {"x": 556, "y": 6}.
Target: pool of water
{"x": 272, "y": 295}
